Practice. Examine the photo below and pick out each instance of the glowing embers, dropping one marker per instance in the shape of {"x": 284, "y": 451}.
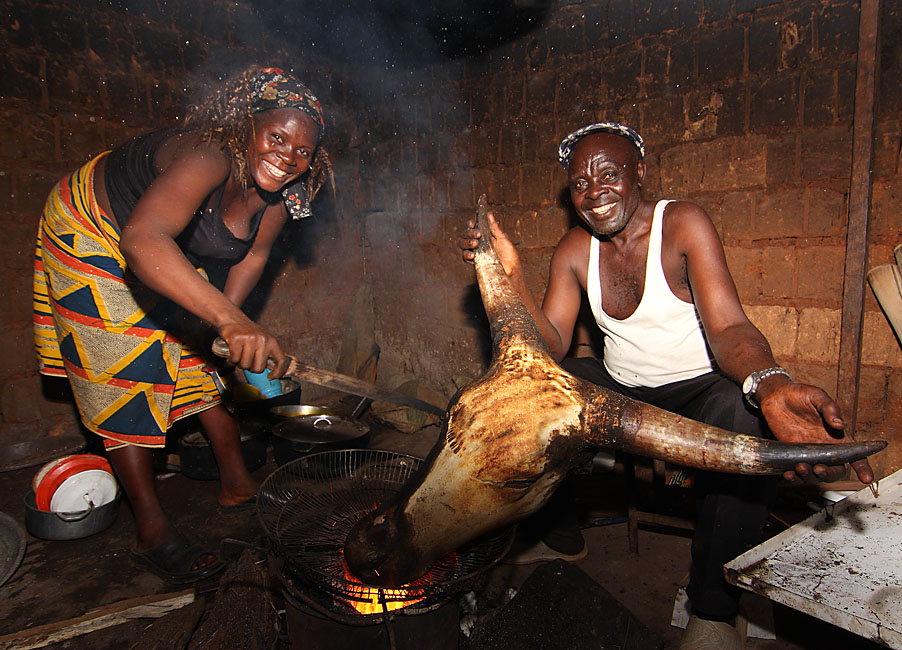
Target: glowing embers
{"x": 378, "y": 600}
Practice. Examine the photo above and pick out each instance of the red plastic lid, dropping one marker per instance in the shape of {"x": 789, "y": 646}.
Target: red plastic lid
{"x": 54, "y": 473}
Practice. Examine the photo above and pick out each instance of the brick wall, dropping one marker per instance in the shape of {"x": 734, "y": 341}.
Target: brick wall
{"x": 746, "y": 107}
{"x": 747, "y": 110}
{"x": 79, "y": 78}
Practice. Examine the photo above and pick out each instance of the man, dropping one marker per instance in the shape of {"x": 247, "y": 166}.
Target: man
{"x": 676, "y": 336}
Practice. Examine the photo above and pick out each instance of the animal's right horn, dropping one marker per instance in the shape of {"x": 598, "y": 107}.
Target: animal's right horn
{"x": 622, "y": 423}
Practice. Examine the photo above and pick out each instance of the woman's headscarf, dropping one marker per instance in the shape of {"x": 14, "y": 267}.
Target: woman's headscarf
{"x": 273, "y": 88}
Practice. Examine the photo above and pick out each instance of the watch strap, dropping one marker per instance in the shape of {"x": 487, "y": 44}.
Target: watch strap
{"x": 751, "y": 383}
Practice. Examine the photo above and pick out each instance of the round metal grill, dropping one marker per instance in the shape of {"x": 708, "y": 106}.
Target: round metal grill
{"x": 309, "y": 506}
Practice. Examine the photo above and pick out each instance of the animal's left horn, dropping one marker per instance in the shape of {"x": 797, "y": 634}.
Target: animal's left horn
{"x": 621, "y": 423}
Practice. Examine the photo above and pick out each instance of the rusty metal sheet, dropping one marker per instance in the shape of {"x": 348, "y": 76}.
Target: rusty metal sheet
{"x": 842, "y": 565}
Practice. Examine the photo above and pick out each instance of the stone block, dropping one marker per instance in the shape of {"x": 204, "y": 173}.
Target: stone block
{"x": 819, "y": 334}
{"x": 887, "y": 147}
{"x": 536, "y": 189}
{"x": 565, "y": 39}
{"x": 688, "y": 13}
{"x": 720, "y": 165}
{"x": 779, "y": 214}
{"x": 872, "y": 394}
{"x": 826, "y": 213}
{"x": 743, "y": 6}
{"x": 820, "y": 274}
{"x": 779, "y": 325}
{"x": 681, "y": 62}
{"x": 734, "y": 214}
{"x": 827, "y": 153}
{"x": 778, "y": 272}
{"x": 774, "y": 102}
{"x": 461, "y": 191}
{"x": 541, "y": 84}
{"x": 621, "y": 23}
{"x": 819, "y": 98}
{"x": 510, "y": 182}
{"x": 552, "y": 225}
{"x": 782, "y": 164}
{"x": 845, "y": 95}
{"x": 731, "y": 110}
{"x": 885, "y": 201}
{"x": 745, "y": 267}
{"x": 822, "y": 375}
{"x": 655, "y": 16}
{"x": 662, "y": 119}
{"x": 879, "y": 345}
{"x": 721, "y": 54}
{"x": 796, "y": 47}
{"x": 837, "y": 31}
{"x": 622, "y": 71}
{"x": 893, "y": 412}
{"x": 62, "y": 29}
{"x": 657, "y": 65}
{"x": 764, "y": 49}
{"x": 512, "y": 142}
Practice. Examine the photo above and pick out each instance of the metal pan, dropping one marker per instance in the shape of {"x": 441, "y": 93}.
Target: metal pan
{"x": 300, "y": 410}
{"x": 301, "y": 435}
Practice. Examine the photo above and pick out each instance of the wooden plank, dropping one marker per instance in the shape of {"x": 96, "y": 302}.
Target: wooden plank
{"x": 859, "y": 214}
{"x": 97, "y": 619}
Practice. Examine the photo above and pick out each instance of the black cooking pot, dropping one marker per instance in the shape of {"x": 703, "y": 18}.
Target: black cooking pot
{"x": 196, "y": 459}
{"x": 69, "y": 525}
{"x": 300, "y": 435}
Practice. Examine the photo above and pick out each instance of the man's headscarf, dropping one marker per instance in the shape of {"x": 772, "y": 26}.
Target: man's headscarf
{"x": 623, "y": 130}
{"x": 275, "y": 88}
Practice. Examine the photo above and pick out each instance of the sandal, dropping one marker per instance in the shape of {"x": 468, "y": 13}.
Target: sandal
{"x": 248, "y": 505}
{"x": 173, "y": 560}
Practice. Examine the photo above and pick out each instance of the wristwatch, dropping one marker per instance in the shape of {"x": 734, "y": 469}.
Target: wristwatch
{"x": 751, "y": 383}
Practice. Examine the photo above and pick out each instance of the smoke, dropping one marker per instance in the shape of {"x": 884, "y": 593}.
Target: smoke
{"x": 401, "y": 33}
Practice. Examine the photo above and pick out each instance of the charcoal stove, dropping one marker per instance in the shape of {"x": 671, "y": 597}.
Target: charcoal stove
{"x": 307, "y": 508}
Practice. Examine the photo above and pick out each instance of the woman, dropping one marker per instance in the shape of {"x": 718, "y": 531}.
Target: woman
{"x": 122, "y": 247}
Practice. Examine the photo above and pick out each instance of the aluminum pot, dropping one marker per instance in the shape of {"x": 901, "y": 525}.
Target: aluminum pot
{"x": 69, "y": 525}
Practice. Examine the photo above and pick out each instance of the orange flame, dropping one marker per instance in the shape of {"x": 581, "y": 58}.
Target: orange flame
{"x": 366, "y": 599}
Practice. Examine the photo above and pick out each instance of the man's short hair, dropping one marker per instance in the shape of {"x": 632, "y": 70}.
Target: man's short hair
{"x": 622, "y": 130}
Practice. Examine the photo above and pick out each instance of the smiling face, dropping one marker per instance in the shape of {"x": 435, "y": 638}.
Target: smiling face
{"x": 282, "y": 147}
{"x": 604, "y": 178}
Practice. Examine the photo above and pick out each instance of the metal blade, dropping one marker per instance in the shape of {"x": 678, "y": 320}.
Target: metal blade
{"x": 343, "y": 383}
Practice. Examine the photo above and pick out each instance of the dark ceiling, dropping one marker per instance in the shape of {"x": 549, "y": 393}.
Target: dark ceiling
{"x": 400, "y": 32}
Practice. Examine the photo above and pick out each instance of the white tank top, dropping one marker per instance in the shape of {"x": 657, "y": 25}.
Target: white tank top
{"x": 662, "y": 341}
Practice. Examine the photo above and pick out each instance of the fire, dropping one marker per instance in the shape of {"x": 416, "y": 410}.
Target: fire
{"x": 366, "y": 599}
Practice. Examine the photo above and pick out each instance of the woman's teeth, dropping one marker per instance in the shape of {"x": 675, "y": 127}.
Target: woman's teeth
{"x": 274, "y": 171}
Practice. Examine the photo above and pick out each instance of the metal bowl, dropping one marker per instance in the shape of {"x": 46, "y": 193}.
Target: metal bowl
{"x": 301, "y": 410}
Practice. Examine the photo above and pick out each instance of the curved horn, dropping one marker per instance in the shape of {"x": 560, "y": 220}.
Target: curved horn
{"x": 622, "y": 423}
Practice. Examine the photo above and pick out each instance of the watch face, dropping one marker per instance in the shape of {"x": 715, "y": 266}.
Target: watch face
{"x": 748, "y": 384}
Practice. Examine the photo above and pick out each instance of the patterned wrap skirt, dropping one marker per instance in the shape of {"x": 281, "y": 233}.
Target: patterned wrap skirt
{"x": 126, "y": 350}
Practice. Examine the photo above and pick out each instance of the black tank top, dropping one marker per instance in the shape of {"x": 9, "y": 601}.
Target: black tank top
{"x": 206, "y": 241}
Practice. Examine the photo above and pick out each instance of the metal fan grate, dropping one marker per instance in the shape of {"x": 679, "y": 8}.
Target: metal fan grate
{"x": 309, "y": 506}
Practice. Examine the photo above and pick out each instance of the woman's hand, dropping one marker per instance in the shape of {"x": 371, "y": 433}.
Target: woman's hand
{"x": 251, "y": 348}
{"x": 806, "y": 414}
{"x": 504, "y": 247}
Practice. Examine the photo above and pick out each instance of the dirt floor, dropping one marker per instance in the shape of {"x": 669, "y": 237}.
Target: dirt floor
{"x": 61, "y": 580}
